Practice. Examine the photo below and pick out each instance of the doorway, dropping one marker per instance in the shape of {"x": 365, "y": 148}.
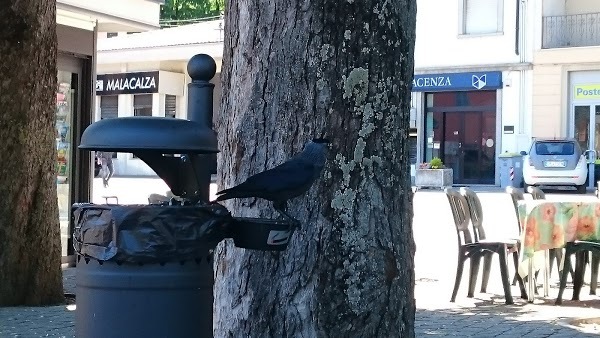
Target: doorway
{"x": 586, "y": 130}
{"x": 73, "y": 167}
{"x": 468, "y": 146}
{"x": 460, "y": 129}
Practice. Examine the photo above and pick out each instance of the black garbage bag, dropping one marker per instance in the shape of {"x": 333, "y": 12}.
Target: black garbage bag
{"x": 148, "y": 233}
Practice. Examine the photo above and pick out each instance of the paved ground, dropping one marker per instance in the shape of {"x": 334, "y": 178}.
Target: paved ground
{"x": 485, "y": 315}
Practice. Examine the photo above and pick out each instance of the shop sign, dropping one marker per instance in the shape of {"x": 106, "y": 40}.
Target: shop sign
{"x": 457, "y": 81}
{"x": 586, "y": 92}
{"x": 127, "y": 83}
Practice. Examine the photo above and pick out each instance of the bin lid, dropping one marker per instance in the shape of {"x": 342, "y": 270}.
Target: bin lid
{"x": 145, "y": 133}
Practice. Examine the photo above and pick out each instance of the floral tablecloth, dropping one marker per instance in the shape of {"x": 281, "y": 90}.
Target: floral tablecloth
{"x": 547, "y": 225}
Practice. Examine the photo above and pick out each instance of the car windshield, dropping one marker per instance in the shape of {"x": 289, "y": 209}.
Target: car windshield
{"x": 555, "y": 148}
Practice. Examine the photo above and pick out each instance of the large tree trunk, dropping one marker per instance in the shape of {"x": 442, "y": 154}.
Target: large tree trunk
{"x": 293, "y": 70}
{"x": 30, "y": 252}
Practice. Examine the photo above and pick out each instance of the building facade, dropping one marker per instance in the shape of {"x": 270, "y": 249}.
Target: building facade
{"x": 472, "y": 84}
{"x": 566, "y": 90}
{"x": 471, "y": 95}
{"x": 145, "y": 74}
{"x": 78, "y": 23}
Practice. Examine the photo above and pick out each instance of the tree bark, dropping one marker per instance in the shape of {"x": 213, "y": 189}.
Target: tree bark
{"x": 30, "y": 251}
{"x": 293, "y": 70}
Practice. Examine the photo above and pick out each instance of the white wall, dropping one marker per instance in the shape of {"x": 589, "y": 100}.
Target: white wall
{"x": 554, "y": 7}
{"x": 581, "y": 6}
{"x": 161, "y": 53}
{"x": 171, "y": 83}
{"x": 438, "y": 43}
{"x": 118, "y": 13}
{"x": 516, "y": 110}
{"x": 569, "y": 7}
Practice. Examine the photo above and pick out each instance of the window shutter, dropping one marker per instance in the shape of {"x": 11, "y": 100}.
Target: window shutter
{"x": 412, "y": 150}
{"x": 109, "y": 107}
{"x": 481, "y": 16}
{"x": 143, "y": 100}
{"x": 170, "y": 105}
{"x": 142, "y": 105}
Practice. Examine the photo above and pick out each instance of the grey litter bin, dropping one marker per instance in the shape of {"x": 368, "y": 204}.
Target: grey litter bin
{"x": 510, "y": 161}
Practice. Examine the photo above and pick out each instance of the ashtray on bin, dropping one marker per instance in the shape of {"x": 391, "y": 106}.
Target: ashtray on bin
{"x": 261, "y": 233}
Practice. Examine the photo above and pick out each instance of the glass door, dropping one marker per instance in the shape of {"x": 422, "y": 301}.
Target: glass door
{"x": 587, "y": 133}
{"x": 594, "y": 145}
{"x": 487, "y": 165}
{"x": 68, "y": 163}
{"x": 469, "y": 146}
{"x": 452, "y": 143}
{"x": 65, "y": 108}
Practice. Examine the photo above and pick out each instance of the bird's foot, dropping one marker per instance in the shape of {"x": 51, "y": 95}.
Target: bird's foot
{"x": 283, "y": 212}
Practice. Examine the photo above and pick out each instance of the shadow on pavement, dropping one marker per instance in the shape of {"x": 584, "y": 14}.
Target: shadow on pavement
{"x": 493, "y": 318}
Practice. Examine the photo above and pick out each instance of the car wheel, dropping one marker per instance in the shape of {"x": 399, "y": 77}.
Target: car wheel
{"x": 581, "y": 189}
{"x": 525, "y": 187}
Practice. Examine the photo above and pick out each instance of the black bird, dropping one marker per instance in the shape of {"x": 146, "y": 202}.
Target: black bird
{"x": 285, "y": 181}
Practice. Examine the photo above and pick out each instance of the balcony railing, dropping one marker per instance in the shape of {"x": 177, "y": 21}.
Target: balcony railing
{"x": 166, "y": 23}
{"x": 571, "y": 30}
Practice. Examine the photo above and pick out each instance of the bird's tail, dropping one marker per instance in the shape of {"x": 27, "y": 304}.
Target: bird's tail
{"x": 222, "y": 195}
{"x": 232, "y": 193}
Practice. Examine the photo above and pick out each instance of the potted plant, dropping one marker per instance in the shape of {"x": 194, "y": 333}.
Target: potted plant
{"x": 433, "y": 175}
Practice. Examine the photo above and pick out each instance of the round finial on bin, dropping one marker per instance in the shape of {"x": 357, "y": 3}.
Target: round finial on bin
{"x": 201, "y": 67}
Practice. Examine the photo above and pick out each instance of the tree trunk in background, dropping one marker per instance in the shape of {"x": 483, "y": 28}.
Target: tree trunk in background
{"x": 292, "y": 70}
{"x": 30, "y": 272}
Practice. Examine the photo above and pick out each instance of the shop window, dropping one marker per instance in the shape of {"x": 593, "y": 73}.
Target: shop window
{"x": 461, "y": 99}
{"x": 170, "y": 105}
{"x": 109, "y": 107}
{"x": 142, "y": 105}
{"x": 481, "y": 16}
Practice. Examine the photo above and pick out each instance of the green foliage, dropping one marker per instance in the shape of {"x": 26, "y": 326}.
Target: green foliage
{"x": 436, "y": 163}
{"x": 191, "y": 9}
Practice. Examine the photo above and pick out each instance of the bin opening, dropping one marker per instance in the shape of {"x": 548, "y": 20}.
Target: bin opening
{"x": 181, "y": 152}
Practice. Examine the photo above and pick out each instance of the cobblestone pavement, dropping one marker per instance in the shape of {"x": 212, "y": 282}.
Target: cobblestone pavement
{"x": 485, "y": 315}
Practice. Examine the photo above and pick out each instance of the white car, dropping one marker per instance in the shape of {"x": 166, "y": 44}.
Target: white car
{"x": 556, "y": 162}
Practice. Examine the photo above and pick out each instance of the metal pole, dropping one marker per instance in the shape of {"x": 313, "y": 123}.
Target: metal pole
{"x": 202, "y": 68}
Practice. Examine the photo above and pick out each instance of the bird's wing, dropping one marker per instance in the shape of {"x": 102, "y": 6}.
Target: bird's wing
{"x": 287, "y": 176}
{"x": 284, "y": 176}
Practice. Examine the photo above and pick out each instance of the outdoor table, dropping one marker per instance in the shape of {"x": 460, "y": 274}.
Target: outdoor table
{"x": 548, "y": 225}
